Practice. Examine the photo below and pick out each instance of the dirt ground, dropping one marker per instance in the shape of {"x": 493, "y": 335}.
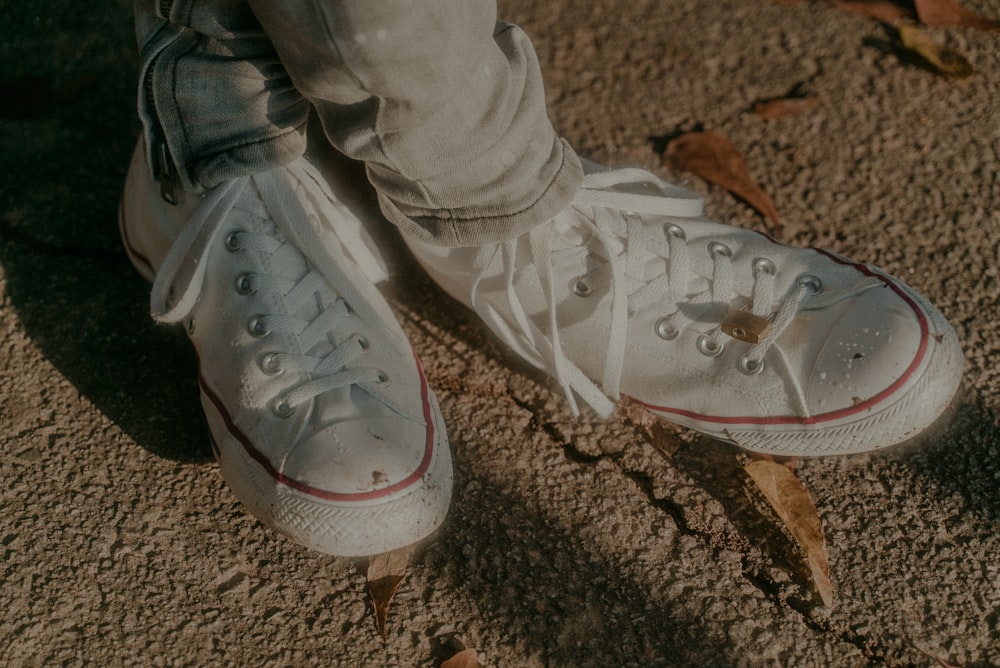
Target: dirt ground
{"x": 571, "y": 541}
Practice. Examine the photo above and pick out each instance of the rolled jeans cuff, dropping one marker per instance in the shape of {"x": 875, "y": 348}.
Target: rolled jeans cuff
{"x": 491, "y": 223}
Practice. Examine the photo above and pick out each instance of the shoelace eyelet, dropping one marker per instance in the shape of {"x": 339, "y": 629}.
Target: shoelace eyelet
{"x": 382, "y": 378}
{"x": 665, "y": 330}
{"x": 708, "y": 347}
{"x": 269, "y": 364}
{"x": 673, "y": 230}
{"x": 233, "y": 242}
{"x": 244, "y": 285}
{"x": 719, "y": 248}
{"x": 812, "y": 282}
{"x": 581, "y": 289}
{"x": 363, "y": 343}
{"x": 282, "y": 408}
{"x": 762, "y": 265}
{"x": 750, "y": 366}
{"x": 189, "y": 325}
{"x": 256, "y": 327}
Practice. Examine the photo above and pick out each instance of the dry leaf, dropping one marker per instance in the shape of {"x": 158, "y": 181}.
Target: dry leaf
{"x": 385, "y": 572}
{"x": 936, "y": 56}
{"x": 888, "y": 12}
{"x": 465, "y": 659}
{"x": 949, "y": 13}
{"x": 791, "y": 500}
{"x": 714, "y": 158}
{"x": 783, "y": 107}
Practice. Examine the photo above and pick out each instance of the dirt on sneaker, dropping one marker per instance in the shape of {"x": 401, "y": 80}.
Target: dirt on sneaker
{"x": 570, "y": 541}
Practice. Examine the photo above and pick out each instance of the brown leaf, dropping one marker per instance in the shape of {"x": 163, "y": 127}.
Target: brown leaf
{"x": 783, "y": 107}
{"x": 936, "y": 56}
{"x": 937, "y": 13}
{"x": 385, "y": 572}
{"x": 465, "y": 659}
{"x": 791, "y": 500}
{"x": 714, "y": 158}
{"x": 888, "y": 12}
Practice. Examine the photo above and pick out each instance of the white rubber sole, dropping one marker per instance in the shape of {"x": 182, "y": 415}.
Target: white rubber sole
{"x": 373, "y": 524}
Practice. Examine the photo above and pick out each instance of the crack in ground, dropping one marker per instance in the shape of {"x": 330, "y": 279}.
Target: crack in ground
{"x": 772, "y": 590}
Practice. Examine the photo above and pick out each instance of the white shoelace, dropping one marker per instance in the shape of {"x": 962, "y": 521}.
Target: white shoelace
{"x": 612, "y": 218}
{"x": 181, "y": 277}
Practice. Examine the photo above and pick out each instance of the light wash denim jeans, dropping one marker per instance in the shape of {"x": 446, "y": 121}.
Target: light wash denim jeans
{"x": 442, "y": 103}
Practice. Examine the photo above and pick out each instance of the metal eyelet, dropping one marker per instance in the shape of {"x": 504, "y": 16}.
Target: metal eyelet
{"x": 363, "y": 343}
{"x": 382, "y": 378}
{"x": 257, "y": 328}
{"x": 761, "y": 265}
{"x": 269, "y": 364}
{"x": 244, "y": 284}
{"x": 581, "y": 289}
{"x": 811, "y": 282}
{"x": 665, "y": 330}
{"x": 282, "y": 408}
{"x": 189, "y": 325}
{"x": 233, "y": 242}
{"x": 709, "y": 347}
{"x": 719, "y": 248}
{"x": 673, "y": 230}
{"x": 750, "y": 366}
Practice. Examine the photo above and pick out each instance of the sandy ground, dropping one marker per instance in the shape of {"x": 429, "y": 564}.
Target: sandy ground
{"x": 571, "y": 542}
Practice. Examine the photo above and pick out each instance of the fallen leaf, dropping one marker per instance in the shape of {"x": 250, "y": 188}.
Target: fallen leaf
{"x": 887, "y": 12}
{"x": 465, "y": 659}
{"x": 936, "y": 56}
{"x": 714, "y": 158}
{"x": 783, "y": 107}
{"x": 385, "y": 572}
{"x": 791, "y": 500}
{"x": 937, "y": 13}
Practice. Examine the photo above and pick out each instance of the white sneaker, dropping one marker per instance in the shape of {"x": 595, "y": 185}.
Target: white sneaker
{"x": 324, "y": 424}
{"x": 777, "y": 349}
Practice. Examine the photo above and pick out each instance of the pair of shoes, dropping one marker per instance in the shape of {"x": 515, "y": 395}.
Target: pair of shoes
{"x": 322, "y": 420}
{"x": 326, "y": 428}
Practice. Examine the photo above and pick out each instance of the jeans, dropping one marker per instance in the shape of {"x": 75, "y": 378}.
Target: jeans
{"x": 442, "y": 103}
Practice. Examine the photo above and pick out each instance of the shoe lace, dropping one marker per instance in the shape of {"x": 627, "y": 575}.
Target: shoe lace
{"x": 315, "y": 323}
{"x": 612, "y": 218}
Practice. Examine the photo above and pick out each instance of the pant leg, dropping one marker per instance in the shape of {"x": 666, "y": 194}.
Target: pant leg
{"x": 214, "y": 98}
{"x": 443, "y": 104}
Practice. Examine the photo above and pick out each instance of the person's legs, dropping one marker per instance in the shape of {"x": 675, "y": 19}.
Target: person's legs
{"x": 443, "y": 104}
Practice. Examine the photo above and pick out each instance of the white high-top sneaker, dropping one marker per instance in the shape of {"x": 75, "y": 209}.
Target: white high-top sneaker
{"x": 780, "y": 350}
{"x": 323, "y": 422}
